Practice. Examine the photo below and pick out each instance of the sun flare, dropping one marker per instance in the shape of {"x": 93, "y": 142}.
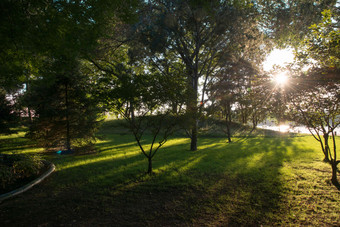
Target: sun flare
{"x": 280, "y": 79}
{"x": 284, "y": 128}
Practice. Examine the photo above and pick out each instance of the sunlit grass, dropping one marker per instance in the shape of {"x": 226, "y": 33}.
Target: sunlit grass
{"x": 17, "y": 143}
{"x": 253, "y": 181}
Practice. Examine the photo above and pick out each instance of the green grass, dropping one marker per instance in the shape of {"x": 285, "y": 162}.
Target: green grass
{"x": 17, "y": 143}
{"x": 253, "y": 181}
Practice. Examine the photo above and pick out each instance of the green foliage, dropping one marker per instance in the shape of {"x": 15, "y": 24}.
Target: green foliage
{"x": 65, "y": 110}
{"x": 287, "y": 22}
{"x": 25, "y": 165}
{"x": 16, "y": 41}
{"x": 61, "y": 32}
{"x": 201, "y": 37}
{"x": 8, "y": 118}
{"x": 18, "y": 166}
{"x": 6, "y": 175}
{"x": 143, "y": 98}
{"x": 313, "y": 96}
{"x": 323, "y": 44}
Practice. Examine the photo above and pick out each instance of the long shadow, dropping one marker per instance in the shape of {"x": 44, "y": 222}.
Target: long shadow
{"x": 15, "y": 144}
{"x": 228, "y": 172}
{"x": 220, "y": 184}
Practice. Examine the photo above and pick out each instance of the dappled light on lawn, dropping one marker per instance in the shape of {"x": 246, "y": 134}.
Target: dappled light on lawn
{"x": 81, "y": 162}
{"x": 263, "y": 177}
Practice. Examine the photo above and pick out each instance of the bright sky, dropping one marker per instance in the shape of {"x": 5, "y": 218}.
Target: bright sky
{"x": 278, "y": 57}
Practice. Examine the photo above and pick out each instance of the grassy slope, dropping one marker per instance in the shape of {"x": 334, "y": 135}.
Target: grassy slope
{"x": 262, "y": 180}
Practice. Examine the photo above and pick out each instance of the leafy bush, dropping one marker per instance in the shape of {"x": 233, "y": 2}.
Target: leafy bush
{"x": 27, "y": 166}
{"x": 18, "y": 166}
{"x": 5, "y": 175}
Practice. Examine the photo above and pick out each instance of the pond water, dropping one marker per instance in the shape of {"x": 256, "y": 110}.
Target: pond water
{"x": 289, "y": 128}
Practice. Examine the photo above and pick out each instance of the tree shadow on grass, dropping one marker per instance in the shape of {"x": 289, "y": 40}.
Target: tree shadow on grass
{"x": 220, "y": 184}
{"x": 16, "y": 144}
{"x": 238, "y": 183}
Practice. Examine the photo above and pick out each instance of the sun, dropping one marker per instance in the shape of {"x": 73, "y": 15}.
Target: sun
{"x": 280, "y": 79}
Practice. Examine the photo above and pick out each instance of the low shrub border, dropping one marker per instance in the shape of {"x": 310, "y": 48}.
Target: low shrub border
{"x": 24, "y": 188}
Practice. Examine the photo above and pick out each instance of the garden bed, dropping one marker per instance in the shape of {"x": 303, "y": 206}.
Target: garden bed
{"x": 19, "y": 171}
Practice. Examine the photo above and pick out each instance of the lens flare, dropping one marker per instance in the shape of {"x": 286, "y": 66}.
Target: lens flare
{"x": 281, "y": 79}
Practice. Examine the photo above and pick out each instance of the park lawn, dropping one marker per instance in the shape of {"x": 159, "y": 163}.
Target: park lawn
{"x": 253, "y": 181}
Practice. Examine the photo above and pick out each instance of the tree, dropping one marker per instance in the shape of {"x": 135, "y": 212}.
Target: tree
{"x": 238, "y": 86}
{"x": 147, "y": 111}
{"x": 144, "y": 98}
{"x": 258, "y": 97}
{"x": 8, "y": 117}
{"x": 237, "y": 93}
{"x": 59, "y": 34}
{"x": 314, "y": 97}
{"x": 203, "y": 36}
{"x": 317, "y": 108}
{"x": 66, "y": 114}
{"x": 60, "y": 93}
{"x": 17, "y": 43}
{"x": 223, "y": 90}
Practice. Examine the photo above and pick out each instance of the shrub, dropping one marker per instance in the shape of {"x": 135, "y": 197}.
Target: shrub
{"x": 26, "y": 166}
{"x": 5, "y": 175}
{"x": 18, "y": 166}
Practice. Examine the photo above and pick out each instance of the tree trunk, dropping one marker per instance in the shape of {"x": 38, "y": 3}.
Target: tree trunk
{"x": 228, "y": 121}
{"x": 334, "y": 173}
{"x": 244, "y": 118}
{"x": 326, "y": 159}
{"x": 326, "y": 148}
{"x": 193, "y": 103}
{"x": 68, "y": 139}
{"x": 28, "y": 89}
{"x": 228, "y": 131}
{"x": 29, "y": 115}
{"x": 150, "y": 165}
{"x": 254, "y": 118}
{"x": 132, "y": 112}
{"x": 174, "y": 107}
{"x": 193, "y": 145}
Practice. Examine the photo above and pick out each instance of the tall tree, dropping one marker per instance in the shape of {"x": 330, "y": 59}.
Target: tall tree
{"x": 314, "y": 95}
{"x": 239, "y": 80}
{"x": 66, "y": 33}
{"x": 233, "y": 89}
{"x": 18, "y": 31}
{"x": 203, "y": 35}
{"x": 66, "y": 114}
{"x": 8, "y": 117}
{"x": 258, "y": 96}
